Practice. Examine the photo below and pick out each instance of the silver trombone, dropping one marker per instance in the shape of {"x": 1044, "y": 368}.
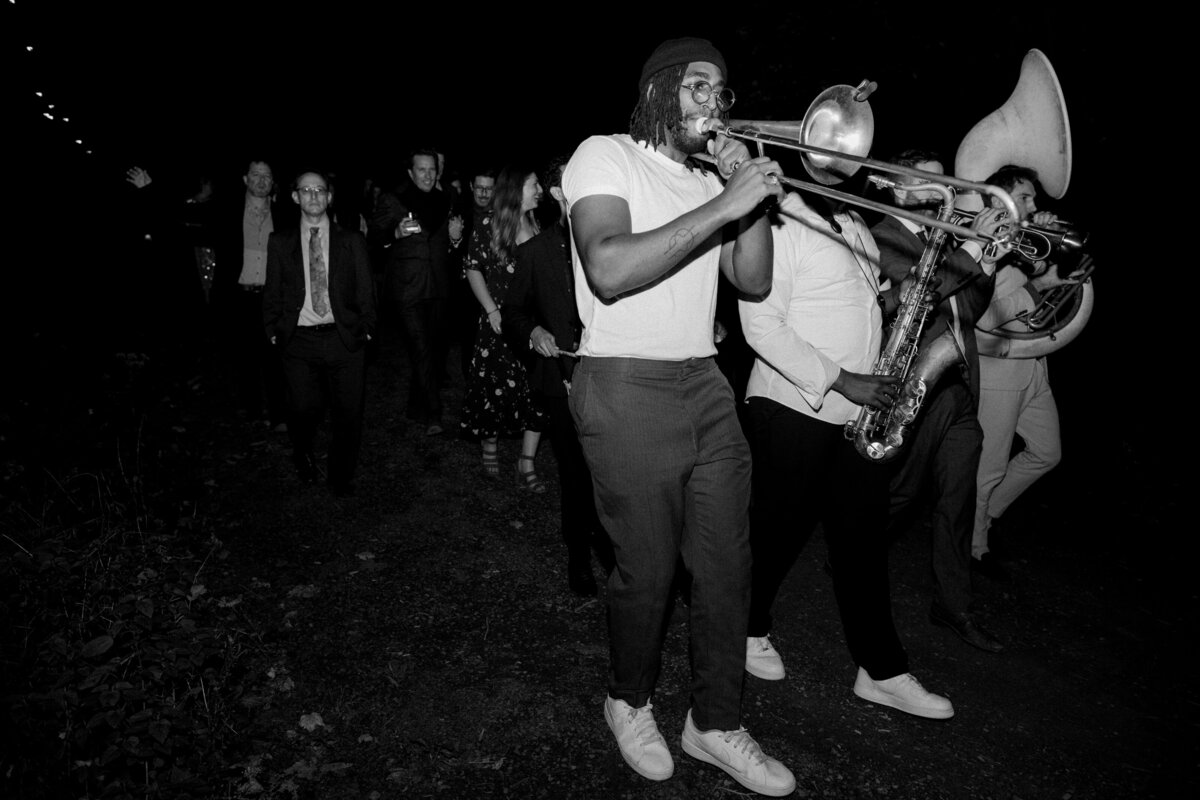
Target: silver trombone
{"x": 833, "y": 138}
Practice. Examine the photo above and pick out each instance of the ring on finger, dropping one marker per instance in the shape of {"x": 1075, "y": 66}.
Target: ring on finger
{"x": 735, "y": 166}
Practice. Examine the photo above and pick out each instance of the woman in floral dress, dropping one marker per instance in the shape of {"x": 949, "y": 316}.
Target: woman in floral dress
{"x": 497, "y": 401}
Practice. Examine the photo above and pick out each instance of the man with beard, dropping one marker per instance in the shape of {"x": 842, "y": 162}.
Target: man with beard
{"x": 655, "y": 415}
{"x": 319, "y": 309}
{"x": 942, "y": 456}
{"x": 413, "y": 225}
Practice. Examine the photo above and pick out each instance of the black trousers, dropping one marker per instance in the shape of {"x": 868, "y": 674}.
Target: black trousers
{"x": 463, "y": 324}
{"x": 259, "y": 370}
{"x": 424, "y": 326}
{"x": 321, "y": 372}
{"x": 805, "y": 472}
{"x": 941, "y": 463}
{"x": 582, "y": 530}
{"x": 671, "y": 470}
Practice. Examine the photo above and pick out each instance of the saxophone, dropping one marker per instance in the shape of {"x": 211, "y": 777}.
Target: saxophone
{"x": 879, "y": 434}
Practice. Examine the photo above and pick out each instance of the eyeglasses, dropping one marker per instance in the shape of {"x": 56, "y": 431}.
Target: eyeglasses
{"x": 313, "y": 191}
{"x": 702, "y": 92}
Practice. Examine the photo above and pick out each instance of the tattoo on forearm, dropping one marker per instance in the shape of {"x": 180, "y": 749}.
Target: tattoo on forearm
{"x": 682, "y": 240}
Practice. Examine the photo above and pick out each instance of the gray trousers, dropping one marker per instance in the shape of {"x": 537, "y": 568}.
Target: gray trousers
{"x": 671, "y": 470}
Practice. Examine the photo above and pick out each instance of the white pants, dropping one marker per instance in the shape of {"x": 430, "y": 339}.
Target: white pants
{"x": 1030, "y": 412}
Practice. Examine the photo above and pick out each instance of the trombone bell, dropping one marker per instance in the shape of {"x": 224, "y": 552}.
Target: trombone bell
{"x": 833, "y": 139}
{"x": 839, "y": 119}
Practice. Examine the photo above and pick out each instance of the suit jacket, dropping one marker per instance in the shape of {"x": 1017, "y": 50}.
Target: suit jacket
{"x": 351, "y": 286}
{"x": 962, "y": 277}
{"x": 419, "y": 265}
{"x": 542, "y": 292}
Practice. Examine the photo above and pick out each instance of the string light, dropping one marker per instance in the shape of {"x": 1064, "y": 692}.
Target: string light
{"x": 52, "y": 106}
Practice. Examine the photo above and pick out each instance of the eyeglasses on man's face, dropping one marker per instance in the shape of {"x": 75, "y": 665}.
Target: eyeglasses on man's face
{"x": 702, "y": 92}
{"x": 313, "y": 191}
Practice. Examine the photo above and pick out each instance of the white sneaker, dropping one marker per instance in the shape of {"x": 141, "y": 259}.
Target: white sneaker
{"x": 642, "y": 746}
{"x": 903, "y": 692}
{"x": 738, "y": 754}
{"x": 762, "y": 659}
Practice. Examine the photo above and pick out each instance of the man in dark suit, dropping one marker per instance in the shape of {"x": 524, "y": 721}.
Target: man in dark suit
{"x": 412, "y": 224}
{"x": 319, "y": 309}
{"x": 944, "y": 446}
{"x": 541, "y": 324}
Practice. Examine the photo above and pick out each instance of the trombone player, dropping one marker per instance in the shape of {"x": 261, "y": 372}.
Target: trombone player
{"x": 656, "y": 417}
{"x": 1015, "y": 395}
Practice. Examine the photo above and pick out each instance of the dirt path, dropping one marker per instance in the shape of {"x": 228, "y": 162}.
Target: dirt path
{"x": 418, "y": 640}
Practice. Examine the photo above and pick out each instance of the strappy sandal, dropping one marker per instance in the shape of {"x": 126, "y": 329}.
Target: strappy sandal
{"x": 529, "y": 480}
{"x": 491, "y": 459}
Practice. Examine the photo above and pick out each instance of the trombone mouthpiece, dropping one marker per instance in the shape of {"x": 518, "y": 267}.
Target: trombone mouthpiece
{"x": 705, "y": 125}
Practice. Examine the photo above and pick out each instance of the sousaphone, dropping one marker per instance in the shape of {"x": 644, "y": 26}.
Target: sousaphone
{"x": 1030, "y": 130}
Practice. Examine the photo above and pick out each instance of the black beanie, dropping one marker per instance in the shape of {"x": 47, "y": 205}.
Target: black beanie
{"x": 681, "y": 51}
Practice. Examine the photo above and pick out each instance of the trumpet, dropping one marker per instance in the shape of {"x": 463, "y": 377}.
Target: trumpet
{"x": 1034, "y": 243}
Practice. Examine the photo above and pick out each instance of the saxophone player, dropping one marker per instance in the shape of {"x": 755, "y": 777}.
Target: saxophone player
{"x": 942, "y": 457}
{"x": 816, "y": 336}
{"x": 1015, "y": 395}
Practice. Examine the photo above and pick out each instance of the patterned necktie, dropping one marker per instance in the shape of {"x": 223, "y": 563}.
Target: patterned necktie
{"x": 317, "y": 274}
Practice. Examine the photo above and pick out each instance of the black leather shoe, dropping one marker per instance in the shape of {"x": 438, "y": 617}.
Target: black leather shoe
{"x": 581, "y": 580}
{"x": 989, "y": 567}
{"x": 964, "y": 626}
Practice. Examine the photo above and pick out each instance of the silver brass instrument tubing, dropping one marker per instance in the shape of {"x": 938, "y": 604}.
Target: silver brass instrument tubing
{"x": 746, "y": 132}
{"x": 1036, "y": 243}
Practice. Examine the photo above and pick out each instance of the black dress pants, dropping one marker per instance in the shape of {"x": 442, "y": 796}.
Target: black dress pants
{"x": 260, "y": 373}
{"x": 582, "y": 530}
{"x": 805, "y": 472}
{"x": 423, "y": 323}
{"x": 321, "y": 372}
{"x": 941, "y": 462}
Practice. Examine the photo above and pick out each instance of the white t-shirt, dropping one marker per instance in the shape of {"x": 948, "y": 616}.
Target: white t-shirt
{"x": 669, "y": 319}
{"x": 821, "y": 315}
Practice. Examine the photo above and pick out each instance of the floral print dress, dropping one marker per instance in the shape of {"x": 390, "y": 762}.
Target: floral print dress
{"x": 497, "y": 400}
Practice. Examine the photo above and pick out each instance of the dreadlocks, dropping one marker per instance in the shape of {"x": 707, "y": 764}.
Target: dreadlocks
{"x": 657, "y": 110}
